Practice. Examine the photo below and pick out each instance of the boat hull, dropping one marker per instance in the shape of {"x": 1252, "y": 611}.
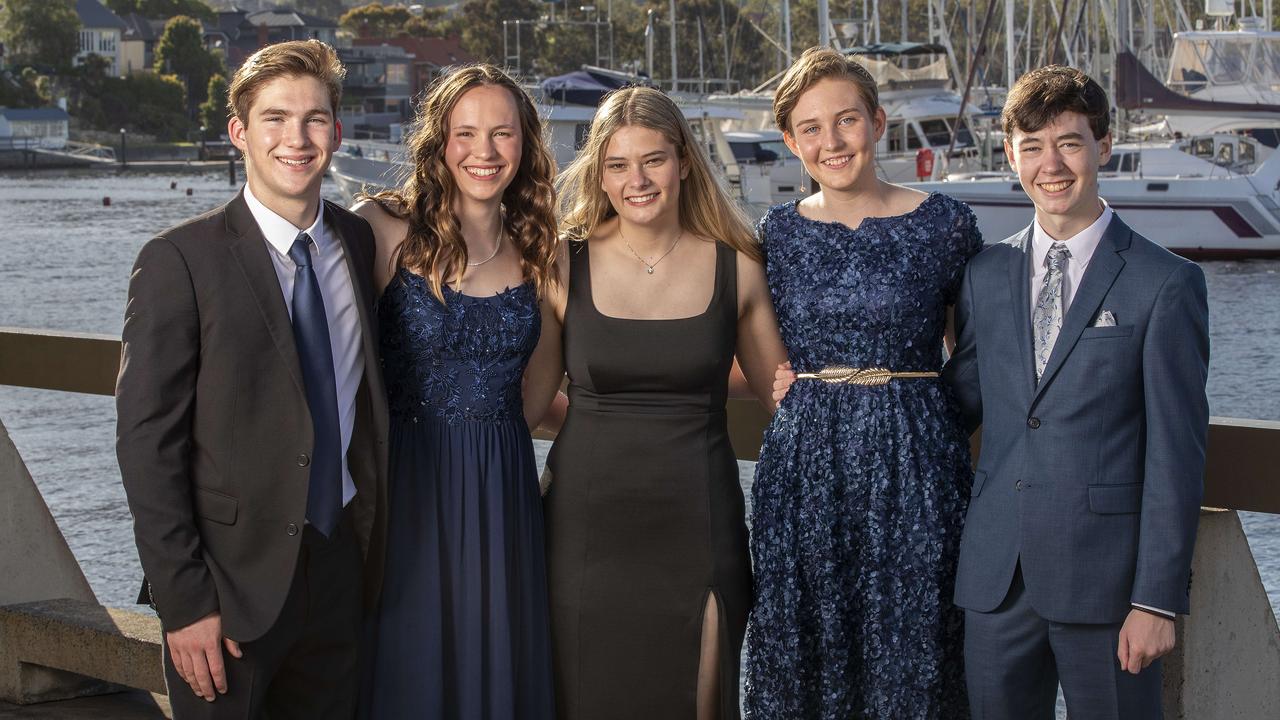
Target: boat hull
{"x": 1193, "y": 218}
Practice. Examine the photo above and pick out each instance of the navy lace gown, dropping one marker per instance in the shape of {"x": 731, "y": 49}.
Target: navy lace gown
{"x": 860, "y": 492}
{"x": 462, "y": 631}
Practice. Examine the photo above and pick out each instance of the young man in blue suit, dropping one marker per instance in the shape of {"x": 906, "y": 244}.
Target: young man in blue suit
{"x": 1082, "y": 350}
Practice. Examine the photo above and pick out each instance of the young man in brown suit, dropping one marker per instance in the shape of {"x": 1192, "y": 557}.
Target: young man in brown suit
{"x": 252, "y": 418}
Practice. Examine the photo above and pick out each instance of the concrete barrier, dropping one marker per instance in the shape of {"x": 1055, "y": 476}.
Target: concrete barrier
{"x": 35, "y": 562}
{"x": 57, "y": 649}
{"x": 1226, "y": 664}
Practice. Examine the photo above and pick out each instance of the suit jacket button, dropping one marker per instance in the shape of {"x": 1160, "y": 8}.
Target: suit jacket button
{"x": 303, "y": 460}
{"x": 292, "y": 529}
{"x": 1033, "y": 423}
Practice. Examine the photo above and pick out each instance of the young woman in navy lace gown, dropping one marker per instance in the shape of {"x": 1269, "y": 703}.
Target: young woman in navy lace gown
{"x": 466, "y": 250}
{"x": 861, "y": 490}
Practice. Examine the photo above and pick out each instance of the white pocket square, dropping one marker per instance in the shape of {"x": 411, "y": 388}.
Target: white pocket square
{"x": 1105, "y": 319}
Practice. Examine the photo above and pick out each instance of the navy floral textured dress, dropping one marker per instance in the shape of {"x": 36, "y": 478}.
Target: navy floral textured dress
{"x": 860, "y": 492}
{"x": 462, "y": 631}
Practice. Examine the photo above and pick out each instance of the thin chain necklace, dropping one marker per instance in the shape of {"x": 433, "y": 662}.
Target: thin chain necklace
{"x": 649, "y": 266}
{"x": 497, "y": 245}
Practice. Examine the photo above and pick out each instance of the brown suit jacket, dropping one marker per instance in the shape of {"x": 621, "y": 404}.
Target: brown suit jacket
{"x": 213, "y": 423}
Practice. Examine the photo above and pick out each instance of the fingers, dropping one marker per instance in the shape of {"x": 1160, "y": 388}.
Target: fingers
{"x": 1122, "y": 651}
{"x": 233, "y": 647}
{"x": 217, "y": 671}
{"x": 200, "y": 680}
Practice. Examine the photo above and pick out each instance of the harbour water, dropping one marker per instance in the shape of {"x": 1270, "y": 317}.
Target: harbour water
{"x": 64, "y": 265}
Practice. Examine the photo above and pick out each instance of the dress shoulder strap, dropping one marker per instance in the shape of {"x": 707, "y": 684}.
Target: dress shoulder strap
{"x": 727, "y": 280}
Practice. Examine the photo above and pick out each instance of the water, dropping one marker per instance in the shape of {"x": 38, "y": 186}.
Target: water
{"x": 64, "y": 265}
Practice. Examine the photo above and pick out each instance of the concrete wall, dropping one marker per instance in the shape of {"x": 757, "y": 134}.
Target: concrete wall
{"x": 35, "y": 562}
{"x": 1226, "y": 665}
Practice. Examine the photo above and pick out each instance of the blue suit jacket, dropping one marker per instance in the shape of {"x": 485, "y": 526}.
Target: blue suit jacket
{"x": 1092, "y": 478}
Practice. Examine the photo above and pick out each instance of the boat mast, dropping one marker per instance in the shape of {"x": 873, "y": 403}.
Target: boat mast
{"x": 1009, "y": 71}
{"x": 675, "y": 74}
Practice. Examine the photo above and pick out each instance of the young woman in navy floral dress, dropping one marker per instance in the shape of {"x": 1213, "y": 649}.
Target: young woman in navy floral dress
{"x": 861, "y": 488}
{"x": 467, "y": 250}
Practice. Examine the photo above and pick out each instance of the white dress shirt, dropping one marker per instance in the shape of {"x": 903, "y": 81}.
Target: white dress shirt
{"x": 329, "y": 264}
{"x": 1081, "y": 245}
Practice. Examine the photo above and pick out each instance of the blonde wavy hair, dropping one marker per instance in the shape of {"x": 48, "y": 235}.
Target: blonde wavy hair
{"x": 434, "y": 246}
{"x": 706, "y": 208}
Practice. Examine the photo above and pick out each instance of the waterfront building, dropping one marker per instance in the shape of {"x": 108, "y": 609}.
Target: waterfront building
{"x": 239, "y": 33}
{"x": 376, "y": 92}
{"x": 138, "y": 45}
{"x": 101, "y": 33}
{"x": 430, "y": 56}
{"x": 44, "y": 127}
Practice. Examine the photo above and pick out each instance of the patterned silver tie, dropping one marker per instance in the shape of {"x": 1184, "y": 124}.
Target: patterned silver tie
{"x": 1046, "y": 320}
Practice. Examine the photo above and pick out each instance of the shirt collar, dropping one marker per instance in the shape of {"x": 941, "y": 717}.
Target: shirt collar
{"x": 281, "y": 233}
{"x": 1081, "y": 245}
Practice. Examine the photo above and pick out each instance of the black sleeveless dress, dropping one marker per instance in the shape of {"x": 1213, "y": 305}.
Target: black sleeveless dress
{"x": 645, "y": 514}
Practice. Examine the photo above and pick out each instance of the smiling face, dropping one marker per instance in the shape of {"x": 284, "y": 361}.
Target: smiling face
{"x": 288, "y": 138}
{"x": 1058, "y": 168}
{"x": 641, "y": 175}
{"x": 834, "y": 134}
{"x": 485, "y": 145}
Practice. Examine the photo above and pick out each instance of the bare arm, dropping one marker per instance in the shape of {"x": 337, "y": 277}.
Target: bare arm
{"x": 388, "y": 232}
{"x": 760, "y": 350}
{"x": 545, "y": 372}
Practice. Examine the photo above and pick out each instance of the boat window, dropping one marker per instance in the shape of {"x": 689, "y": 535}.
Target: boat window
{"x": 894, "y": 135}
{"x": 936, "y": 131}
{"x": 1226, "y": 154}
{"x": 1247, "y": 155}
{"x": 964, "y": 138}
{"x": 1122, "y": 162}
{"x": 1202, "y": 147}
{"x": 580, "y": 133}
{"x": 1226, "y": 61}
{"x": 1186, "y": 68}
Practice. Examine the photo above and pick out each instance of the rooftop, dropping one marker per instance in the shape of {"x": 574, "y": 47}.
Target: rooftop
{"x": 94, "y": 14}
{"x": 33, "y": 114}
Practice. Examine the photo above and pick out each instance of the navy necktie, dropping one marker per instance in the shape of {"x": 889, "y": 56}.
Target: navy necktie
{"x": 315, "y": 355}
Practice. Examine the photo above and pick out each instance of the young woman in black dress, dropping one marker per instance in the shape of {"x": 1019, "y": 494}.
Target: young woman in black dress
{"x": 648, "y": 565}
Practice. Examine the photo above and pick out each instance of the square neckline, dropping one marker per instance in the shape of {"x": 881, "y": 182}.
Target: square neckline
{"x": 591, "y": 296}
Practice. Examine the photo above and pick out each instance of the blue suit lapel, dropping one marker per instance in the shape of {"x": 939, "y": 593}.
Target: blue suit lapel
{"x": 1098, "y": 278}
{"x": 1019, "y": 289}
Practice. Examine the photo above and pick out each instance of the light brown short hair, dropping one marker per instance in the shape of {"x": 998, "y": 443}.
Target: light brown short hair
{"x": 296, "y": 58}
{"x": 1043, "y": 94}
{"x": 820, "y": 63}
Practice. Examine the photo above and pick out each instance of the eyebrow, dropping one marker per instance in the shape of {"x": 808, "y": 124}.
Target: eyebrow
{"x": 850, "y": 109}
{"x": 503, "y": 126}
{"x": 1059, "y": 138}
{"x": 649, "y": 154}
{"x": 282, "y": 111}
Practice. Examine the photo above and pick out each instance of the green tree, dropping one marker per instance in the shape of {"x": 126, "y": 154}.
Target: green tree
{"x": 482, "y": 31}
{"x": 163, "y": 9}
{"x": 375, "y": 20}
{"x": 181, "y": 51}
{"x": 323, "y": 8}
{"x": 44, "y": 32}
{"x": 213, "y": 112}
{"x": 432, "y": 23}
